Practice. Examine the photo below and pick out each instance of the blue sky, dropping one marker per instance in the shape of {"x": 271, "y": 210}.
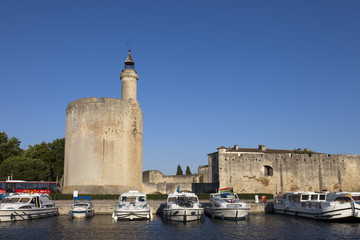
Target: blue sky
{"x": 284, "y": 74}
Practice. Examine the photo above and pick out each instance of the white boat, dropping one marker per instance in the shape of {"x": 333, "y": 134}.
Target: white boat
{"x": 82, "y": 208}
{"x": 227, "y": 206}
{"x": 26, "y": 206}
{"x": 322, "y": 206}
{"x": 183, "y": 207}
{"x": 132, "y": 206}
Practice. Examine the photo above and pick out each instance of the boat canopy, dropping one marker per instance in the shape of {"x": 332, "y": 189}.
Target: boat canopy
{"x": 79, "y": 198}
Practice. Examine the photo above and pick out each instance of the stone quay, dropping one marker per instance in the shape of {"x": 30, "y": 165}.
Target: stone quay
{"x": 103, "y": 207}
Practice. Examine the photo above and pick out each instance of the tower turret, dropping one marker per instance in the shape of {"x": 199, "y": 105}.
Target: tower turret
{"x": 129, "y": 79}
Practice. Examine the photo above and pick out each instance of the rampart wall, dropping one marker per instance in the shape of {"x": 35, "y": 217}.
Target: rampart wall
{"x": 279, "y": 173}
{"x": 156, "y": 182}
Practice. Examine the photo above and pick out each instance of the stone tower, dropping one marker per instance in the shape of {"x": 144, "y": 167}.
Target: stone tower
{"x": 104, "y": 141}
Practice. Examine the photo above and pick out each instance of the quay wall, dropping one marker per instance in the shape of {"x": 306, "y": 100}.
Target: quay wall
{"x": 108, "y": 206}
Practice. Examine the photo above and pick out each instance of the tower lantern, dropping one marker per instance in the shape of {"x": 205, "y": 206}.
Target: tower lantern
{"x": 129, "y": 62}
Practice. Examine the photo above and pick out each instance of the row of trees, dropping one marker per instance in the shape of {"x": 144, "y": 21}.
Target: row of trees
{"x": 44, "y": 161}
{"x": 179, "y": 171}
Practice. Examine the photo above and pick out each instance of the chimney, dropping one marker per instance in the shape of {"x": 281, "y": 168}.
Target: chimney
{"x": 262, "y": 148}
{"x": 236, "y": 147}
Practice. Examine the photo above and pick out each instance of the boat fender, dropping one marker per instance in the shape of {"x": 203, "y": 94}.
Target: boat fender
{"x": 115, "y": 218}
{"x": 113, "y": 215}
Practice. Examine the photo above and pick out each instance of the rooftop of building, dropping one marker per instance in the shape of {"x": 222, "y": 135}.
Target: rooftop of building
{"x": 262, "y": 149}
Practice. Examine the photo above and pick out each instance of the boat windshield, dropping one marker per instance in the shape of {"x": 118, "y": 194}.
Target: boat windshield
{"x": 171, "y": 199}
{"x": 228, "y": 195}
{"x": 25, "y": 200}
{"x": 142, "y": 199}
{"x": 10, "y": 200}
{"x": 81, "y": 204}
{"x": 128, "y": 199}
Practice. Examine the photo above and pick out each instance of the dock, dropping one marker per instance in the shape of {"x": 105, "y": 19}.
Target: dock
{"x": 108, "y": 206}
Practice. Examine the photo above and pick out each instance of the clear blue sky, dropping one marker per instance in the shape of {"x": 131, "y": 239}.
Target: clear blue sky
{"x": 284, "y": 74}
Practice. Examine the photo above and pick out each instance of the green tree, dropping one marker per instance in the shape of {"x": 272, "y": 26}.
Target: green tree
{"x": 9, "y": 147}
{"x": 188, "y": 172}
{"x": 179, "y": 170}
{"x": 24, "y": 168}
{"x": 52, "y": 154}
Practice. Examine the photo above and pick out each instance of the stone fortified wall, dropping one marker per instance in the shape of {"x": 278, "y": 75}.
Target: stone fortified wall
{"x": 279, "y": 173}
{"x": 103, "y": 148}
{"x": 156, "y": 182}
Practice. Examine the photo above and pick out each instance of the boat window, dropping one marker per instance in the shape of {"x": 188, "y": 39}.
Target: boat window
{"x": 32, "y": 201}
{"x": 23, "y": 207}
{"x": 130, "y": 199}
{"x": 304, "y": 197}
{"x": 356, "y": 198}
{"x": 343, "y": 199}
{"x": 314, "y": 197}
{"x": 6, "y": 200}
{"x": 123, "y": 199}
{"x": 217, "y": 196}
{"x": 195, "y": 199}
{"x": 322, "y": 197}
{"x": 24, "y": 200}
{"x": 171, "y": 199}
{"x": 142, "y": 199}
{"x": 15, "y": 199}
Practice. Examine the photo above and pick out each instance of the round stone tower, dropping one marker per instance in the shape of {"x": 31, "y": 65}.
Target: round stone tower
{"x": 104, "y": 141}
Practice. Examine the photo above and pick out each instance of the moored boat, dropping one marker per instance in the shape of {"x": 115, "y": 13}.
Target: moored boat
{"x": 26, "y": 206}
{"x": 132, "y": 206}
{"x": 82, "y": 208}
{"x": 183, "y": 207}
{"x": 322, "y": 206}
{"x": 227, "y": 206}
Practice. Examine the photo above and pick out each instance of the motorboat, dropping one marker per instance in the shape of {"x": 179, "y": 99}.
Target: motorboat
{"x": 132, "y": 206}
{"x": 82, "y": 208}
{"x": 322, "y": 206}
{"x": 227, "y": 206}
{"x": 26, "y": 206}
{"x": 183, "y": 207}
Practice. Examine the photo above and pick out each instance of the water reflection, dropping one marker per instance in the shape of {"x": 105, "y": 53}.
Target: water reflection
{"x": 259, "y": 226}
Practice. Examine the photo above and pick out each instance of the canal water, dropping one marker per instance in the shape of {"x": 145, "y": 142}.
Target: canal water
{"x": 260, "y": 226}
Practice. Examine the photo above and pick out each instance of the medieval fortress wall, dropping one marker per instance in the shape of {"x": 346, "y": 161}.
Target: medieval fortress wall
{"x": 101, "y": 137}
{"x": 262, "y": 172}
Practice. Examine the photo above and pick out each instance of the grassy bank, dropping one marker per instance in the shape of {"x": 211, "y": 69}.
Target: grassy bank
{"x": 202, "y": 196}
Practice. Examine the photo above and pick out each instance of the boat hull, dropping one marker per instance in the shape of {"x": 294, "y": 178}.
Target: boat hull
{"x": 331, "y": 213}
{"x": 7, "y": 215}
{"x": 228, "y": 213}
{"x": 183, "y": 214}
{"x": 82, "y": 213}
{"x": 132, "y": 214}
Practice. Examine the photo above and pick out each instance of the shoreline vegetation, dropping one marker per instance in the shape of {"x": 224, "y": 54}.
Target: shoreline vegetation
{"x": 201, "y": 196}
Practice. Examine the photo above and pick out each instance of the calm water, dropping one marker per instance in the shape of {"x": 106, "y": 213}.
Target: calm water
{"x": 260, "y": 226}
